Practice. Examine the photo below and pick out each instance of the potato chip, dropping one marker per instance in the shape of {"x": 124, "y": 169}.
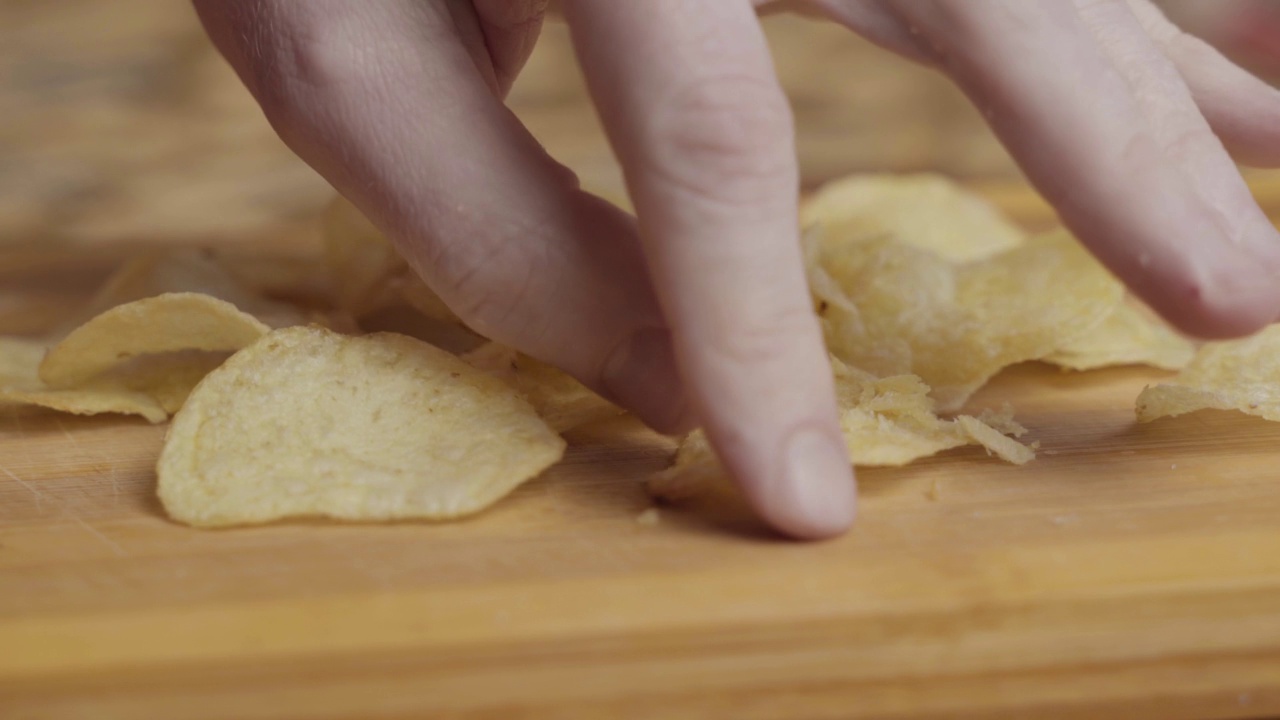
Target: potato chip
{"x": 306, "y": 422}
{"x": 887, "y": 422}
{"x": 20, "y": 358}
{"x": 926, "y": 210}
{"x": 152, "y": 391}
{"x": 1239, "y": 375}
{"x": 910, "y": 311}
{"x": 168, "y": 378}
{"x": 558, "y": 397}
{"x": 85, "y": 401}
{"x": 1129, "y": 335}
{"x": 166, "y": 323}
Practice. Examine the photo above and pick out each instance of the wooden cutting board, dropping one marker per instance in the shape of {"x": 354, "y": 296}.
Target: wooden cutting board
{"x": 1130, "y": 571}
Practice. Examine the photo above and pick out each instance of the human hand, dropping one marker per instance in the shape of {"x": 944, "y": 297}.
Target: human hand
{"x": 699, "y": 313}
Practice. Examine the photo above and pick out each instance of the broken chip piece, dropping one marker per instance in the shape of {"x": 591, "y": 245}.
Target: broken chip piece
{"x": 1239, "y": 375}
{"x": 886, "y": 422}
{"x": 306, "y": 422}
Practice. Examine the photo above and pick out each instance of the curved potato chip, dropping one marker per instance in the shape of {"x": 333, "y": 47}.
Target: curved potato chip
{"x": 166, "y": 323}
{"x": 20, "y": 358}
{"x": 886, "y": 422}
{"x": 928, "y": 211}
{"x": 558, "y": 397}
{"x": 87, "y": 401}
{"x": 957, "y": 325}
{"x": 306, "y": 422}
{"x": 1129, "y": 335}
{"x": 168, "y": 378}
{"x": 1239, "y": 375}
{"x": 21, "y": 385}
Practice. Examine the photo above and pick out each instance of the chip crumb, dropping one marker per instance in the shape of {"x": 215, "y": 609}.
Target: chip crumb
{"x": 934, "y": 492}
{"x": 650, "y": 517}
{"x": 886, "y": 422}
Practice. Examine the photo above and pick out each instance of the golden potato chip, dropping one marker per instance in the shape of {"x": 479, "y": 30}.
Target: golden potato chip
{"x": 825, "y": 289}
{"x": 86, "y": 401}
{"x": 168, "y": 378}
{"x": 926, "y": 210}
{"x": 886, "y": 422}
{"x": 20, "y": 358}
{"x": 1129, "y": 335}
{"x": 306, "y": 422}
{"x": 152, "y": 386}
{"x": 1239, "y": 375}
{"x": 166, "y": 323}
{"x": 910, "y": 311}
{"x": 558, "y": 397}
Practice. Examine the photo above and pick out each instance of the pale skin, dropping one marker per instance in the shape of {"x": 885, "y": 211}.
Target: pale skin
{"x": 697, "y": 313}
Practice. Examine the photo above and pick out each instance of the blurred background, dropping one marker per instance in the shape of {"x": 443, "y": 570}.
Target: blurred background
{"x": 118, "y": 121}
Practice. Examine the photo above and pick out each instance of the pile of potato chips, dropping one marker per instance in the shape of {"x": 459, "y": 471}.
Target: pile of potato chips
{"x": 288, "y": 409}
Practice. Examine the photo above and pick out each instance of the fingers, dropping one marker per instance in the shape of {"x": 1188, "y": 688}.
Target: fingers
{"x": 691, "y": 105}
{"x": 392, "y": 106}
{"x": 872, "y": 19}
{"x": 1243, "y": 110}
{"x": 511, "y": 30}
{"x": 1103, "y": 124}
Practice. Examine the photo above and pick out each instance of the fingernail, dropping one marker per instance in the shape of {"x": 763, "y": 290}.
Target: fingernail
{"x": 817, "y": 492}
{"x": 642, "y": 375}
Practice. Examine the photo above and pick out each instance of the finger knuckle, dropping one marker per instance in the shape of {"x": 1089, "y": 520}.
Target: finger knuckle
{"x": 486, "y": 284}
{"x": 727, "y": 138}
{"x": 764, "y": 337}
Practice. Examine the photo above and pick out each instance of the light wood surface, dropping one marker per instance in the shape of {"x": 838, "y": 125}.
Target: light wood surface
{"x": 1129, "y": 572}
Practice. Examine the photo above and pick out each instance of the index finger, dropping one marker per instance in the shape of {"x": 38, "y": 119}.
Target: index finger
{"x": 687, "y": 93}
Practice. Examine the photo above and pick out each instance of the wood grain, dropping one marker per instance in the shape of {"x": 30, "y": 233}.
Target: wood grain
{"x": 1130, "y": 572}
